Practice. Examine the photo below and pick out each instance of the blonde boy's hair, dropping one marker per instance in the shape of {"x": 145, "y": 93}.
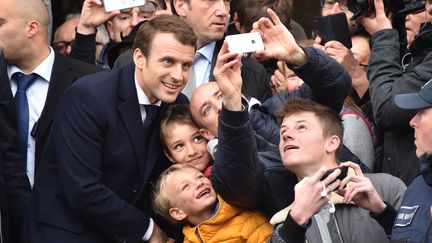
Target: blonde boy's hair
{"x": 161, "y": 199}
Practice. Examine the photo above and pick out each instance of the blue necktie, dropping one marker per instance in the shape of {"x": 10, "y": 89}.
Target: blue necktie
{"x": 23, "y": 83}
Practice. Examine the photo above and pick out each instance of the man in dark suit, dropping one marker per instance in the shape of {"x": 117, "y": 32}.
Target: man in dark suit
{"x": 209, "y": 20}
{"x": 95, "y": 180}
{"x": 14, "y": 185}
{"x": 23, "y": 38}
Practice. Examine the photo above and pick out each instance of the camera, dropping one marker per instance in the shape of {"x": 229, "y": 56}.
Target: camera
{"x": 398, "y": 7}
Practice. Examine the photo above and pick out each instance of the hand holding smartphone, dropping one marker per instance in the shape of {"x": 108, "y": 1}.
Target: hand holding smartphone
{"x": 334, "y": 27}
{"x": 341, "y": 176}
{"x": 111, "y": 5}
{"x": 244, "y": 43}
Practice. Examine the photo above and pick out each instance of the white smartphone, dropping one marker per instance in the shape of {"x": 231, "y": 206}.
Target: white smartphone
{"x": 111, "y": 5}
{"x": 244, "y": 43}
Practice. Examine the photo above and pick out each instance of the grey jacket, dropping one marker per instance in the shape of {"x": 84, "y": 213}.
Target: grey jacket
{"x": 387, "y": 79}
{"x": 350, "y": 223}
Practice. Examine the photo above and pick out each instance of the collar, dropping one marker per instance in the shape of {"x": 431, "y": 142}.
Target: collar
{"x": 44, "y": 69}
{"x": 208, "y": 50}
{"x": 280, "y": 216}
{"x": 142, "y": 97}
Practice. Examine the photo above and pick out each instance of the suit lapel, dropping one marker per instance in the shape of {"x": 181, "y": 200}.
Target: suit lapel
{"x": 130, "y": 114}
{"x": 153, "y": 148}
{"x": 214, "y": 58}
{"x": 61, "y": 78}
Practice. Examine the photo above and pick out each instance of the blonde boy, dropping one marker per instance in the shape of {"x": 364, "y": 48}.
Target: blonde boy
{"x": 184, "y": 194}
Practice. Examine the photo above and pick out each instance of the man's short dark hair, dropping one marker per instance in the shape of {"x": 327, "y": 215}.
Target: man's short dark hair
{"x": 330, "y": 120}
{"x": 164, "y": 24}
{"x": 249, "y": 11}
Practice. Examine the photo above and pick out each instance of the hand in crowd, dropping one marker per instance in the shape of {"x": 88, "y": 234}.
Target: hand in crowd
{"x": 360, "y": 190}
{"x": 344, "y": 56}
{"x": 307, "y": 195}
{"x": 227, "y": 73}
{"x": 279, "y": 43}
{"x": 317, "y": 44}
{"x": 93, "y": 14}
{"x": 376, "y": 21}
{"x": 284, "y": 79}
{"x": 158, "y": 235}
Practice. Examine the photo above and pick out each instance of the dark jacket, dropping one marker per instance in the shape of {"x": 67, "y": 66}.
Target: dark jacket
{"x": 387, "y": 79}
{"x": 14, "y": 185}
{"x": 84, "y": 49}
{"x": 248, "y": 170}
{"x": 95, "y": 181}
{"x": 349, "y": 223}
{"x": 412, "y": 221}
{"x": 65, "y": 71}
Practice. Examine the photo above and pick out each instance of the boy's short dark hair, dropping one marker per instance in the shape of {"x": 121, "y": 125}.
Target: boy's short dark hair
{"x": 175, "y": 114}
{"x": 330, "y": 120}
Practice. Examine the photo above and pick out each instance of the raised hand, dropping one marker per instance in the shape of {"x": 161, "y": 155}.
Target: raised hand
{"x": 360, "y": 190}
{"x": 376, "y": 21}
{"x": 278, "y": 41}
{"x": 284, "y": 79}
{"x": 308, "y": 198}
{"x": 344, "y": 56}
{"x": 227, "y": 73}
{"x": 93, "y": 14}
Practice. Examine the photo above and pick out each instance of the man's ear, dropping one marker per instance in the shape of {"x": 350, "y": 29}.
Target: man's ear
{"x": 110, "y": 29}
{"x": 177, "y": 214}
{"x": 206, "y": 133}
{"x": 168, "y": 155}
{"x": 139, "y": 58}
{"x": 33, "y": 28}
{"x": 180, "y": 7}
{"x": 332, "y": 143}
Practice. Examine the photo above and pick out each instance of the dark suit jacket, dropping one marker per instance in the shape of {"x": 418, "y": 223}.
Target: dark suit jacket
{"x": 94, "y": 183}
{"x": 256, "y": 82}
{"x": 14, "y": 186}
{"x": 65, "y": 71}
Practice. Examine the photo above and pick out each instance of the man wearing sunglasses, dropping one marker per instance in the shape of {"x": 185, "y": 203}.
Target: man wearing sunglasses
{"x": 335, "y": 6}
{"x": 118, "y": 23}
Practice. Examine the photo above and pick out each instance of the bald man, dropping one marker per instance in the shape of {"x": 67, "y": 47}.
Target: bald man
{"x": 23, "y": 39}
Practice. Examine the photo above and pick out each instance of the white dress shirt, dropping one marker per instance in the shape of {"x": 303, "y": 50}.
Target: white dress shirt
{"x": 144, "y": 100}
{"x": 36, "y": 96}
{"x": 202, "y": 65}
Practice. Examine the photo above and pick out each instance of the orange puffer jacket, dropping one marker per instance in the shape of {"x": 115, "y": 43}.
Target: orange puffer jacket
{"x": 230, "y": 224}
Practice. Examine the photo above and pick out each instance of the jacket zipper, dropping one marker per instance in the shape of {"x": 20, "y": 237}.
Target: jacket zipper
{"x": 337, "y": 228}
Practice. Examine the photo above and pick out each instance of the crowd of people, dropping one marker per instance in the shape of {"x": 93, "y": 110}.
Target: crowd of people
{"x": 139, "y": 124}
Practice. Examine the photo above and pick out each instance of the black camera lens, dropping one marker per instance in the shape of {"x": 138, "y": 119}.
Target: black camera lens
{"x": 398, "y": 7}
{"x": 360, "y": 7}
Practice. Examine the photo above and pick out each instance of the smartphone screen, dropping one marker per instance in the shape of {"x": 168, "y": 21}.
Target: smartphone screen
{"x": 111, "y": 5}
{"x": 341, "y": 176}
{"x": 245, "y": 43}
{"x": 334, "y": 27}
